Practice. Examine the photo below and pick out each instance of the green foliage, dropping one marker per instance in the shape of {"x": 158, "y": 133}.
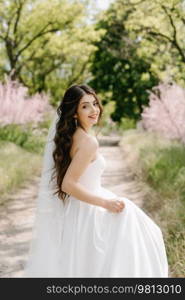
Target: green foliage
{"x": 17, "y": 166}
{"x": 21, "y": 150}
{"x": 14, "y": 133}
{"x": 23, "y": 137}
{"x": 44, "y": 125}
{"x": 107, "y": 111}
{"x": 127, "y": 123}
{"x": 107, "y": 126}
{"x": 167, "y": 171}
{"x": 159, "y": 27}
{"x": 117, "y": 68}
{"x": 141, "y": 42}
{"x": 166, "y": 175}
{"x": 160, "y": 165}
{"x": 46, "y": 44}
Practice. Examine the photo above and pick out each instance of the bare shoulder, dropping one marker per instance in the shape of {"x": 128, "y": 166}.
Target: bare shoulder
{"x": 85, "y": 142}
{"x": 89, "y": 142}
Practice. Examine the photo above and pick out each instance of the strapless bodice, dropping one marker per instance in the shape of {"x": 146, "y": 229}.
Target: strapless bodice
{"x": 91, "y": 177}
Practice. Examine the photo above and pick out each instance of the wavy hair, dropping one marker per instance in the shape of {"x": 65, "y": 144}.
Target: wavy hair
{"x": 65, "y": 128}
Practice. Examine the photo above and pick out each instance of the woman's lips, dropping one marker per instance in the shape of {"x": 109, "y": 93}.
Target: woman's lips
{"x": 93, "y": 117}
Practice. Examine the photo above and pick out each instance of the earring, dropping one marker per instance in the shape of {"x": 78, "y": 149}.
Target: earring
{"x": 76, "y": 122}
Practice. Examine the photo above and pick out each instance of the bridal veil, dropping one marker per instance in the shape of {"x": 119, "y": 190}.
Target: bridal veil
{"x": 48, "y": 224}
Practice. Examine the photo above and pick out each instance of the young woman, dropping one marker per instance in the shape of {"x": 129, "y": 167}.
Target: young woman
{"x": 81, "y": 228}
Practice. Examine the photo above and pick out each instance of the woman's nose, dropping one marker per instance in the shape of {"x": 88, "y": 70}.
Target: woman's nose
{"x": 93, "y": 109}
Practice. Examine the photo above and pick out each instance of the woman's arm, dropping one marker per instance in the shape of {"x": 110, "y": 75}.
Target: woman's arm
{"x": 79, "y": 163}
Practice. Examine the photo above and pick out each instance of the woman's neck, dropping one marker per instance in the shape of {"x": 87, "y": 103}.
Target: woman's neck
{"x": 90, "y": 131}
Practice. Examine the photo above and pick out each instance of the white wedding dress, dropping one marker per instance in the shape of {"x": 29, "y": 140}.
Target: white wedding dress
{"x": 93, "y": 242}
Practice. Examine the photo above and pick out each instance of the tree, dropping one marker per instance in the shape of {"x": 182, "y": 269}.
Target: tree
{"x": 118, "y": 71}
{"x": 45, "y": 42}
{"x": 159, "y": 26}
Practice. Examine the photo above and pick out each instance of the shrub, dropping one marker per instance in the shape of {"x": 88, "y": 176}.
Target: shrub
{"x": 17, "y": 107}
{"x": 27, "y": 137}
{"x": 166, "y": 111}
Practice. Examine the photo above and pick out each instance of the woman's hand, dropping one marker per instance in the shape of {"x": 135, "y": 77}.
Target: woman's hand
{"x": 115, "y": 205}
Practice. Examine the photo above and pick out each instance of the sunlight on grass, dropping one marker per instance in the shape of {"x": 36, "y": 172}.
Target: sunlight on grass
{"x": 17, "y": 165}
{"x": 159, "y": 163}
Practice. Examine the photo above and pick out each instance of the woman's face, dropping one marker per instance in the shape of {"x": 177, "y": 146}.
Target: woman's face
{"x": 88, "y": 111}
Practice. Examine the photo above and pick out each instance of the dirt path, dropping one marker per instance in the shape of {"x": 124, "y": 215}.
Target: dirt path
{"x": 17, "y": 216}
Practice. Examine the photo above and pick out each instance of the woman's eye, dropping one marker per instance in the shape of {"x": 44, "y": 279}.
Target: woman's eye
{"x": 96, "y": 103}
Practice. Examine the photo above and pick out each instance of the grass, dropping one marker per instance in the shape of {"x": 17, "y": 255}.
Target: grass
{"x": 29, "y": 136}
{"x": 21, "y": 152}
{"x": 160, "y": 164}
{"x": 23, "y": 136}
{"x": 109, "y": 127}
{"x": 17, "y": 166}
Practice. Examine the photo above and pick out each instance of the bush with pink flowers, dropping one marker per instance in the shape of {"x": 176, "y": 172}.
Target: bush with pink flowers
{"x": 18, "y": 107}
{"x": 166, "y": 111}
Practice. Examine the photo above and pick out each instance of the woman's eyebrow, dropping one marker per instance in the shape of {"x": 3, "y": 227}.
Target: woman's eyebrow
{"x": 88, "y": 102}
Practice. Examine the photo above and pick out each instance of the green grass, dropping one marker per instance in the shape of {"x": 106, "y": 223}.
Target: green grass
{"x": 23, "y": 136}
{"x": 160, "y": 164}
{"x": 29, "y": 136}
{"x": 108, "y": 127}
{"x": 17, "y": 166}
{"x": 166, "y": 169}
{"x": 21, "y": 153}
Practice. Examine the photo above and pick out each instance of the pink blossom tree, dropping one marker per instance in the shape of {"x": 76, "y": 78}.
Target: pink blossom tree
{"x": 166, "y": 111}
{"x": 16, "y": 106}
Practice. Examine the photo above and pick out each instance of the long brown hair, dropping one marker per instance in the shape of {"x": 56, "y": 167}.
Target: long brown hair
{"x": 65, "y": 128}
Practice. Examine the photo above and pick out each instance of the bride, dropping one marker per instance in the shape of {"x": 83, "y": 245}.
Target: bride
{"x": 82, "y": 229}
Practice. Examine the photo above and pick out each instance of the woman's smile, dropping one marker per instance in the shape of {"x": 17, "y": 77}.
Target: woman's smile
{"x": 93, "y": 117}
